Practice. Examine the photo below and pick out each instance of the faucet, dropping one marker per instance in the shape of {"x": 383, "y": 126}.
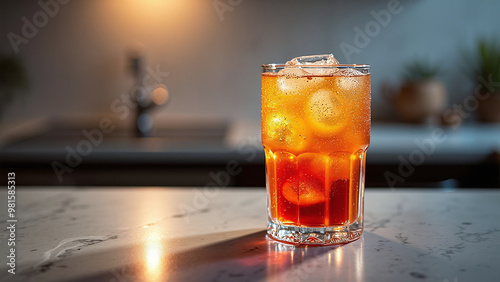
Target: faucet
{"x": 145, "y": 99}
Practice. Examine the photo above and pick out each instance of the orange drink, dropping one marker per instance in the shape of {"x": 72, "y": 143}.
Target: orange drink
{"x": 315, "y": 132}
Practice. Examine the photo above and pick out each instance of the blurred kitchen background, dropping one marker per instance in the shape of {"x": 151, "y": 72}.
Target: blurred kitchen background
{"x": 70, "y": 70}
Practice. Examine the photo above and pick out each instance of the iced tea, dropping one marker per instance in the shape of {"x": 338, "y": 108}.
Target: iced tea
{"x": 315, "y": 132}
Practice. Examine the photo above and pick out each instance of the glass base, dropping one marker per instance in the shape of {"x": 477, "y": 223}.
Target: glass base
{"x": 314, "y": 236}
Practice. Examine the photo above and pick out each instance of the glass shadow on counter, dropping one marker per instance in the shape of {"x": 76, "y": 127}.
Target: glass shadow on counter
{"x": 250, "y": 257}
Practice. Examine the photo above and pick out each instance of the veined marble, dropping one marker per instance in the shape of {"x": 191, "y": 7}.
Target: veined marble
{"x": 192, "y": 234}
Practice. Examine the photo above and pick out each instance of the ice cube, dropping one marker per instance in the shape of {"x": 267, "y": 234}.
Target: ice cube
{"x": 308, "y": 64}
{"x": 323, "y": 71}
{"x": 324, "y": 112}
{"x": 294, "y": 85}
{"x": 293, "y": 72}
{"x": 348, "y": 78}
{"x": 350, "y": 72}
{"x": 327, "y": 59}
{"x": 284, "y": 132}
{"x": 347, "y": 83}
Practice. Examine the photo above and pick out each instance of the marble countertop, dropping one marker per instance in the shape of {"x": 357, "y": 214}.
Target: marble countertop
{"x": 192, "y": 234}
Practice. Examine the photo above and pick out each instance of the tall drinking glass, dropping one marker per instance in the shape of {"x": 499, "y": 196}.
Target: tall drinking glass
{"x": 315, "y": 132}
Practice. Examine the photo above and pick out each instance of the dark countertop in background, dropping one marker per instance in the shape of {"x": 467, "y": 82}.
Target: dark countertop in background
{"x": 454, "y": 151}
{"x": 467, "y": 144}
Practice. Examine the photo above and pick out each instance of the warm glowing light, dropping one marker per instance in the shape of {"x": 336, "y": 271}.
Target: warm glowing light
{"x": 338, "y": 255}
{"x": 154, "y": 13}
{"x": 338, "y": 259}
{"x": 153, "y": 256}
{"x": 160, "y": 94}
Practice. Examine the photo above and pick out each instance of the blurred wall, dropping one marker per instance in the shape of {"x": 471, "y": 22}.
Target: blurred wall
{"x": 212, "y": 50}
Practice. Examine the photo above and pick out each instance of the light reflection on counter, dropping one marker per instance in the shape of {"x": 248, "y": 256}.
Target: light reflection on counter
{"x": 153, "y": 252}
{"x": 153, "y": 246}
{"x": 302, "y": 262}
{"x": 338, "y": 259}
{"x": 360, "y": 269}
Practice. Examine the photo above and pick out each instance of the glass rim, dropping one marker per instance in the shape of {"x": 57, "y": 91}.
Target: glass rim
{"x": 339, "y": 66}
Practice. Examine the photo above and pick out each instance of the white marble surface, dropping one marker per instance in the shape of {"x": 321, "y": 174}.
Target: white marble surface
{"x": 157, "y": 234}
